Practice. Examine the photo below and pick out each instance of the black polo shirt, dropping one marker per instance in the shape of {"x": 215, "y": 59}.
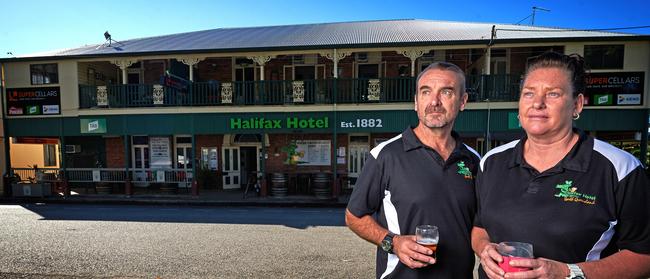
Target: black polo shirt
{"x": 405, "y": 184}
{"x": 594, "y": 202}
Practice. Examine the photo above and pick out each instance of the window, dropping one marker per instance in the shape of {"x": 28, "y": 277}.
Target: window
{"x": 44, "y": 73}
{"x": 604, "y": 56}
{"x": 49, "y": 152}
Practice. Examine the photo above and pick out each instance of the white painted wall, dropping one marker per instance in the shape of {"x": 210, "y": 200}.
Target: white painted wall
{"x": 17, "y": 75}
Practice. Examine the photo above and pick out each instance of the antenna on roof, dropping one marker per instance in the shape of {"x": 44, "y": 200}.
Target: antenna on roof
{"x": 535, "y": 9}
{"x": 532, "y": 22}
{"x": 109, "y": 40}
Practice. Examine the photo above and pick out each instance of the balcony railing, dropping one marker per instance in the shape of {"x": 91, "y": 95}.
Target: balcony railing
{"x": 284, "y": 92}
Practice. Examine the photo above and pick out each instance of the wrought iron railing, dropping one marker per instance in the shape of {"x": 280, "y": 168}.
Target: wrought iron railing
{"x": 286, "y": 92}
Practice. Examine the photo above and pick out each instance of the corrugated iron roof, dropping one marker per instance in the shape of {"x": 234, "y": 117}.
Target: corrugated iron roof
{"x": 329, "y": 35}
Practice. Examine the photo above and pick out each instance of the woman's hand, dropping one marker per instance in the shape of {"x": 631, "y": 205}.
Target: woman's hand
{"x": 490, "y": 259}
{"x": 540, "y": 268}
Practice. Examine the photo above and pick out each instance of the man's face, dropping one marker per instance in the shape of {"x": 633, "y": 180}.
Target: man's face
{"x": 438, "y": 99}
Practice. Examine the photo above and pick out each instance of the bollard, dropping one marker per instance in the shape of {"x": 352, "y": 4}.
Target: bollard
{"x": 195, "y": 187}
{"x": 263, "y": 190}
{"x": 127, "y": 188}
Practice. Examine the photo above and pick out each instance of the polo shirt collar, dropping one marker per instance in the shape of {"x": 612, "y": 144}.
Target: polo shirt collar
{"x": 412, "y": 142}
{"x": 577, "y": 159}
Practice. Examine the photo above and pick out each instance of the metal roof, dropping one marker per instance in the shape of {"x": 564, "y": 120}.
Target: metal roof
{"x": 330, "y": 35}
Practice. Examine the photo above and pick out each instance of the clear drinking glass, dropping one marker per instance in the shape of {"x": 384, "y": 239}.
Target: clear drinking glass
{"x": 427, "y": 236}
{"x": 511, "y": 250}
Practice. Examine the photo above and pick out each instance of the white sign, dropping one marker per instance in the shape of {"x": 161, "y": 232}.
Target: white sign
{"x": 160, "y": 176}
{"x": 629, "y": 99}
{"x": 50, "y": 109}
{"x": 314, "y": 152}
{"x": 93, "y": 125}
{"x": 97, "y": 176}
{"x": 160, "y": 152}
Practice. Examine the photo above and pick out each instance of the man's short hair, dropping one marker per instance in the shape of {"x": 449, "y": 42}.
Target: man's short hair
{"x": 445, "y": 66}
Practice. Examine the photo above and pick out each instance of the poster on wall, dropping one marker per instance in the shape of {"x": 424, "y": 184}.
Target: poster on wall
{"x": 314, "y": 152}
{"x": 34, "y": 101}
{"x": 614, "y": 89}
{"x": 160, "y": 153}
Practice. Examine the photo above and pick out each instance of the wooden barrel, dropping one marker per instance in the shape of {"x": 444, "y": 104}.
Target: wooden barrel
{"x": 279, "y": 185}
{"x": 321, "y": 185}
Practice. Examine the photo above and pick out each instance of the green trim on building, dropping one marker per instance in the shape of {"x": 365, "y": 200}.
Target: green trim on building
{"x": 395, "y": 121}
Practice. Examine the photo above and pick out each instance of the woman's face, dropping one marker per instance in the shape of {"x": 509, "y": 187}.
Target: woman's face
{"x": 546, "y": 103}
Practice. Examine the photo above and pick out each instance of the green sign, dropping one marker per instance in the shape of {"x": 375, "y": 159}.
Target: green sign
{"x": 93, "y": 126}
{"x": 31, "y": 110}
{"x": 603, "y": 100}
{"x": 288, "y": 123}
{"x": 513, "y": 120}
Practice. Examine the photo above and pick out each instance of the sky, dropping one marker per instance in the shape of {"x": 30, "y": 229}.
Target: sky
{"x": 35, "y": 25}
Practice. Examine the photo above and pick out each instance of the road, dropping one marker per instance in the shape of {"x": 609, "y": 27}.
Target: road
{"x": 122, "y": 241}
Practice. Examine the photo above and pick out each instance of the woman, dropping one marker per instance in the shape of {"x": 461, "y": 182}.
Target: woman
{"x": 583, "y": 204}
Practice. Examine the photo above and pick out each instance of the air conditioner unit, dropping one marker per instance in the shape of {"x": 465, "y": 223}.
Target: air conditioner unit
{"x": 69, "y": 148}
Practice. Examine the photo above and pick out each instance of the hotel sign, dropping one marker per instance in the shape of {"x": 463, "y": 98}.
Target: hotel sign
{"x": 238, "y": 123}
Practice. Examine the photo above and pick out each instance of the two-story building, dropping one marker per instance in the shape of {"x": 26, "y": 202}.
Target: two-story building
{"x": 298, "y": 105}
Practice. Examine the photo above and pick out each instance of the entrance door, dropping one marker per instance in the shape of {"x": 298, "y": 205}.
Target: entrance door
{"x": 365, "y": 72}
{"x": 140, "y": 159}
{"x": 244, "y": 85}
{"x": 184, "y": 161}
{"x": 358, "y": 155}
{"x": 248, "y": 163}
{"x": 231, "y": 170}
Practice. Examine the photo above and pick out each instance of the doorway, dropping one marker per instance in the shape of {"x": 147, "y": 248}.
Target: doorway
{"x": 249, "y": 163}
{"x": 245, "y": 85}
{"x": 359, "y": 149}
{"x": 140, "y": 159}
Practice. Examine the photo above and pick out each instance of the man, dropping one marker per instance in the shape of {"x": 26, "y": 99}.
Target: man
{"x": 423, "y": 176}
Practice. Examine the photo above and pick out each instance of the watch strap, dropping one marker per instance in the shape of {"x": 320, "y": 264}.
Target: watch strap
{"x": 575, "y": 272}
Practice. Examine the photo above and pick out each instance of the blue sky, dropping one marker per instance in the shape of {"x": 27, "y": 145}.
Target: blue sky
{"x": 36, "y": 25}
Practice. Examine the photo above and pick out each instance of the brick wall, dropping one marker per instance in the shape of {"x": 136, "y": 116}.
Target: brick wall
{"x": 115, "y": 152}
{"x": 153, "y": 69}
{"x": 214, "y": 69}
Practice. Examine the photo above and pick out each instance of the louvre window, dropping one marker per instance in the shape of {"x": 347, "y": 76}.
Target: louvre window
{"x": 44, "y": 73}
{"x": 604, "y": 56}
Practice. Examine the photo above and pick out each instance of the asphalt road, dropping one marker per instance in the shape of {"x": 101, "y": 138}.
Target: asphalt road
{"x": 104, "y": 241}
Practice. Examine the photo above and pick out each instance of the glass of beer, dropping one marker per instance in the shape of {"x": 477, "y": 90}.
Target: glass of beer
{"x": 427, "y": 236}
{"x": 512, "y": 251}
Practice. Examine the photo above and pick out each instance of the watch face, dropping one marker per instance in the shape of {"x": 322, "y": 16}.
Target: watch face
{"x": 387, "y": 245}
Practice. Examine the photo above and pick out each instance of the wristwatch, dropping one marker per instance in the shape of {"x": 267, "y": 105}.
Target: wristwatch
{"x": 387, "y": 242}
{"x": 575, "y": 272}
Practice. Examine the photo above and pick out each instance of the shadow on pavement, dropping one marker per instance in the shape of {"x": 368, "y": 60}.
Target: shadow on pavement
{"x": 299, "y": 218}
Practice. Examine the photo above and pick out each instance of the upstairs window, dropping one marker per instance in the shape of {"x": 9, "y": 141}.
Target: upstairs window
{"x": 604, "y": 56}
{"x": 44, "y": 73}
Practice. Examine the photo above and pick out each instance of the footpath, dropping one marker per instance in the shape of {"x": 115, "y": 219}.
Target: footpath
{"x": 207, "y": 198}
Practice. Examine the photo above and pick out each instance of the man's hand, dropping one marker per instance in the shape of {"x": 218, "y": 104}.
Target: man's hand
{"x": 410, "y": 253}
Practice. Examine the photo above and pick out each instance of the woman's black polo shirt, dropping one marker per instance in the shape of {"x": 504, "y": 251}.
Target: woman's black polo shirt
{"x": 593, "y": 203}
{"x": 404, "y": 184}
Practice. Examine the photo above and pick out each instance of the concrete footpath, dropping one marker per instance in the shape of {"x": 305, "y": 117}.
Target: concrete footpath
{"x": 206, "y": 198}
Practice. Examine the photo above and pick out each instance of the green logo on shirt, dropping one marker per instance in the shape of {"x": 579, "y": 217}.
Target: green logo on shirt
{"x": 464, "y": 170}
{"x": 571, "y": 194}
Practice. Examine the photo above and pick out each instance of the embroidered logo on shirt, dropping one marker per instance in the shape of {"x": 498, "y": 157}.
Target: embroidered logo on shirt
{"x": 571, "y": 194}
{"x": 464, "y": 170}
